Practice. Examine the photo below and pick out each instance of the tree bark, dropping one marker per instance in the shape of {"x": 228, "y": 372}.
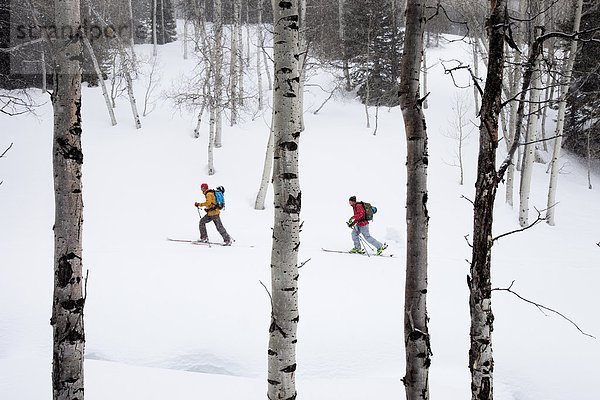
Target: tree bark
{"x": 416, "y": 331}
{"x": 154, "y": 38}
{"x": 233, "y": 63}
{"x": 90, "y": 50}
{"x": 259, "y": 46}
{"x": 259, "y": 204}
{"x": 532, "y": 122}
{"x": 286, "y": 242}
{"x": 342, "y": 34}
{"x": 481, "y": 361}
{"x": 218, "y": 63}
{"x": 68, "y": 298}
{"x": 560, "y": 121}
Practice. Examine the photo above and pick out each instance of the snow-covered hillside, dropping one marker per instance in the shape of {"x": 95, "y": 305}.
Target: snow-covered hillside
{"x": 168, "y": 320}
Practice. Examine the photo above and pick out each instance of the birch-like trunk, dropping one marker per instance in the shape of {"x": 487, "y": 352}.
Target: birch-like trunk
{"x": 512, "y": 124}
{"x": 126, "y": 66}
{"x": 259, "y": 204}
{"x": 218, "y": 71}
{"x": 131, "y": 28}
{"x": 90, "y": 50}
{"x": 342, "y": 35}
{"x": 266, "y": 62}
{"x": 367, "y": 75}
{"x": 513, "y": 91}
{"x": 68, "y": 298}
{"x": 154, "y": 38}
{"x": 211, "y": 137}
{"x": 481, "y": 361}
{"x": 303, "y": 53}
{"x": 44, "y": 70}
{"x": 185, "y": 39}
{"x": 259, "y": 45}
{"x": 287, "y": 201}
{"x": 127, "y": 72}
{"x": 476, "y": 73}
{"x": 233, "y": 62}
{"x": 560, "y": 122}
{"x": 425, "y": 89}
{"x": 416, "y": 331}
{"x": 240, "y": 63}
{"x": 532, "y": 129}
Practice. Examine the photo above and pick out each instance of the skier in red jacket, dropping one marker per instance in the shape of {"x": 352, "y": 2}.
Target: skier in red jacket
{"x": 360, "y": 226}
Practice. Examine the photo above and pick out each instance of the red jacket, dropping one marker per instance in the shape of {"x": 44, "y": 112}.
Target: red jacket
{"x": 359, "y": 214}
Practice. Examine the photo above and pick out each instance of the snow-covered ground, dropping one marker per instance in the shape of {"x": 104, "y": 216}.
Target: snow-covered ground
{"x": 168, "y": 320}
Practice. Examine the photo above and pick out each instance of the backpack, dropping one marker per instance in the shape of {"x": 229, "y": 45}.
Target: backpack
{"x": 369, "y": 210}
{"x": 219, "y": 193}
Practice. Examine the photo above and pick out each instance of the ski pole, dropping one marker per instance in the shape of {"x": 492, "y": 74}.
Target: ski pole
{"x": 200, "y": 215}
{"x": 365, "y": 244}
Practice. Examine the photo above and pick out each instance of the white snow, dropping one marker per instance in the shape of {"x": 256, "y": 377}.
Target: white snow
{"x": 168, "y": 320}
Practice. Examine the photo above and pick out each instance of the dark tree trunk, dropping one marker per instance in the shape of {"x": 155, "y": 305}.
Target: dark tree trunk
{"x": 481, "y": 362}
{"x": 68, "y": 299}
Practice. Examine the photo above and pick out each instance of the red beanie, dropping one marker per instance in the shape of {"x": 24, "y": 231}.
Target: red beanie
{"x": 204, "y": 187}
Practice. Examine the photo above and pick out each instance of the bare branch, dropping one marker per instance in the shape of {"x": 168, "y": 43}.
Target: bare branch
{"x": 542, "y": 307}
{"x": 6, "y": 151}
{"x": 17, "y": 47}
{"x": 539, "y": 140}
{"x": 469, "y": 200}
{"x": 269, "y": 293}
{"x": 469, "y": 243}
{"x": 303, "y": 263}
{"x": 537, "y": 221}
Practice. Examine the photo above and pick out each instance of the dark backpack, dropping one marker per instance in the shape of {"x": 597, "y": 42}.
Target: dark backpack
{"x": 369, "y": 210}
{"x": 219, "y": 193}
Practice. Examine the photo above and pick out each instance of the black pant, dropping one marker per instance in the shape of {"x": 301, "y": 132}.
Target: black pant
{"x": 220, "y": 228}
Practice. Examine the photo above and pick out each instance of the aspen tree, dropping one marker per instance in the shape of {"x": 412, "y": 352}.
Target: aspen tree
{"x": 233, "y": 62}
{"x": 218, "y": 73}
{"x": 481, "y": 361}
{"x": 560, "y": 121}
{"x": 416, "y": 331}
{"x": 68, "y": 299}
{"x": 532, "y": 125}
{"x": 287, "y": 201}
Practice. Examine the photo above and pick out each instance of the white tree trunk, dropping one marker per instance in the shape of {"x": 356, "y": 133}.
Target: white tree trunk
{"x": 531, "y": 136}
{"x": 44, "y": 71}
{"x": 266, "y": 62}
{"x": 259, "y": 50}
{"x": 259, "y": 204}
{"x": 218, "y": 71}
{"x": 476, "y": 73}
{"x": 416, "y": 331}
{"x": 342, "y": 34}
{"x": 424, "y": 69}
{"x": 303, "y": 57}
{"x": 513, "y": 91}
{"x": 233, "y": 62}
{"x": 211, "y": 138}
{"x": 185, "y": 39}
{"x": 68, "y": 298}
{"x": 287, "y": 201}
{"x": 562, "y": 105}
{"x": 240, "y": 63}
{"x": 130, "y": 94}
{"x": 131, "y": 28}
{"x": 154, "y": 38}
{"x": 90, "y": 50}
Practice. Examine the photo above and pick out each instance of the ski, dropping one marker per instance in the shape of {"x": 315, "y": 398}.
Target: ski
{"x": 197, "y": 242}
{"x": 363, "y": 254}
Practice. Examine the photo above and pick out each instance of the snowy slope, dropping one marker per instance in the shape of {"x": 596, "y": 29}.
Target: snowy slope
{"x": 172, "y": 320}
